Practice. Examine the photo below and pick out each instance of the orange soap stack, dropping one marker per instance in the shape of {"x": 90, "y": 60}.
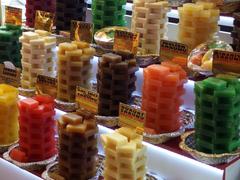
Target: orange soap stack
{"x": 162, "y": 90}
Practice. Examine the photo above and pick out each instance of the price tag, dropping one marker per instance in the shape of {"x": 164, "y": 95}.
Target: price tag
{"x": 46, "y": 85}
{"x": 226, "y": 62}
{"x": 13, "y": 15}
{"x": 44, "y": 20}
{"x": 174, "y": 51}
{"x": 126, "y": 41}
{"x": 81, "y": 31}
{"x": 10, "y": 76}
{"x": 131, "y": 117}
{"x": 87, "y": 99}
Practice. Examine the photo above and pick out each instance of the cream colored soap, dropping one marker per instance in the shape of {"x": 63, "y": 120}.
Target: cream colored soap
{"x": 37, "y": 57}
{"x": 125, "y": 155}
{"x": 149, "y": 19}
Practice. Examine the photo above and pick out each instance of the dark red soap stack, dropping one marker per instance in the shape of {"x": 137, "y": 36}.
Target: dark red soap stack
{"x": 33, "y": 5}
{"x": 68, "y": 10}
{"x": 37, "y": 129}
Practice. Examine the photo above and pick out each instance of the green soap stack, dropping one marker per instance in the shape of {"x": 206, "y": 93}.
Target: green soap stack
{"x": 108, "y": 13}
{"x": 9, "y": 44}
{"x": 217, "y": 115}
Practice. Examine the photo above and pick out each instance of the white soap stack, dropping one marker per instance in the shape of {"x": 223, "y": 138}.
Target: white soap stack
{"x": 149, "y": 19}
{"x": 38, "y": 57}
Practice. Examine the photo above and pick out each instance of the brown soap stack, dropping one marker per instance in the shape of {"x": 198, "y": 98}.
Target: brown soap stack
{"x": 78, "y": 146}
{"x": 236, "y": 32}
{"x": 116, "y": 82}
{"x": 74, "y": 68}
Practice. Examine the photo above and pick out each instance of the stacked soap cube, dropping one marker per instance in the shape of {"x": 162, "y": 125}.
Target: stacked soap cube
{"x": 115, "y": 83}
{"x": 217, "y": 115}
{"x": 74, "y": 68}
{"x": 68, "y": 10}
{"x": 125, "y": 155}
{"x": 162, "y": 91}
{"x": 78, "y": 146}
{"x": 38, "y": 56}
{"x": 236, "y": 32}
{"x": 197, "y": 23}
{"x": 8, "y": 114}
{"x": 37, "y": 130}
{"x": 149, "y": 19}
{"x": 108, "y": 13}
{"x": 33, "y": 5}
{"x": 10, "y": 45}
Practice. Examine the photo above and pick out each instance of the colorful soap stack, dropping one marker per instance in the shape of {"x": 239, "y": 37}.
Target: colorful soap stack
{"x": 74, "y": 68}
{"x": 8, "y": 114}
{"x": 38, "y": 56}
{"x": 108, "y": 13}
{"x": 149, "y": 19}
{"x": 197, "y": 23}
{"x": 162, "y": 90}
{"x": 115, "y": 83}
{"x": 33, "y": 5}
{"x": 37, "y": 130}
{"x": 217, "y": 115}
{"x": 68, "y": 10}
{"x": 78, "y": 146}
{"x": 236, "y": 32}
{"x": 10, "y": 45}
{"x": 125, "y": 155}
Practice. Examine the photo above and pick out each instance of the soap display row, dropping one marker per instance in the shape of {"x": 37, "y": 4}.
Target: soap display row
{"x": 32, "y": 121}
{"x": 149, "y": 19}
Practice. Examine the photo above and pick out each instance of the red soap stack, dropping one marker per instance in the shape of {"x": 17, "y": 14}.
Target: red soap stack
{"x": 33, "y": 5}
{"x": 37, "y": 129}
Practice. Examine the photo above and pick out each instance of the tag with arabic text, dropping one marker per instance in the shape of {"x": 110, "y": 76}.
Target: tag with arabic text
{"x": 46, "y": 85}
{"x": 10, "y": 76}
{"x": 226, "y": 62}
{"x": 175, "y": 52}
{"x": 131, "y": 117}
{"x": 126, "y": 41}
{"x": 13, "y": 15}
{"x": 81, "y": 31}
{"x": 87, "y": 99}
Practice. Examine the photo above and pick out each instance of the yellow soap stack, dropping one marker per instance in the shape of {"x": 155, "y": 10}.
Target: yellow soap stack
{"x": 74, "y": 68}
{"x": 149, "y": 19}
{"x": 197, "y": 23}
{"x": 125, "y": 155}
{"x": 37, "y": 56}
{"x": 8, "y": 114}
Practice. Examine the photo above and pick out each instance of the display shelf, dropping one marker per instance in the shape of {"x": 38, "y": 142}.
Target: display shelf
{"x": 166, "y": 159}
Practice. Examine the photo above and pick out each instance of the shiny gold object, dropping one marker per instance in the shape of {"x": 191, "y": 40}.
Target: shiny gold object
{"x": 44, "y": 20}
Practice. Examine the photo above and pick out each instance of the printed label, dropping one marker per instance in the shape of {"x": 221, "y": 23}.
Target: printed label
{"x": 87, "y": 99}
{"x": 226, "y": 62}
{"x": 126, "y": 41}
{"x": 131, "y": 117}
{"x": 10, "y": 76}
{"x": 13, "y": 15}
{"x": 174, "y": 51}
{"x": 46, "y": 85}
